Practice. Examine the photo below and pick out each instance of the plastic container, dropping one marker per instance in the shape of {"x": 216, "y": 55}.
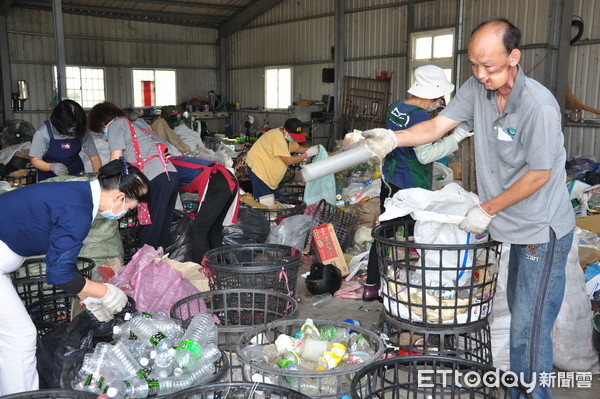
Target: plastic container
{"x": 253, "y": 266}
{"x": 411, "y": 295}
{"x": 238, "y": 311}
{"x": 322, "y": 300}
{"x": 192, "y": 346}
{"x": 331, "y": 384}
{"x": 238, "y": 389}
{"x": 52, "y": 394}
{"x": 30, "y": 279}
{"x": 428, "y": 377}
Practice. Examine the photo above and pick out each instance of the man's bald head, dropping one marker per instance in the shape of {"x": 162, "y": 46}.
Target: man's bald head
{"x": 506, "y": 31}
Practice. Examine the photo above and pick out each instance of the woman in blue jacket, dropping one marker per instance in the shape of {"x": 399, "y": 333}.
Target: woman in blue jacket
{"x": 53, "y": 219}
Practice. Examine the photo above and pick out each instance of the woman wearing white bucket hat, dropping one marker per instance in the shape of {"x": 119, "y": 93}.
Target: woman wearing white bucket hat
{"x": 408, "y": 167}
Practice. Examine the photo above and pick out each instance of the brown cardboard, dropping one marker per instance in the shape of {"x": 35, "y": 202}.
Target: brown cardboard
{"x": 591, "y": 223}
{"x": 327, "y": 247}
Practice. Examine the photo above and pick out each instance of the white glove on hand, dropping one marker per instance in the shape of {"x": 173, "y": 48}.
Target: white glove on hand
{"x": 476, "y": 220}
{"x": 312, "y": 151}
{"x": 380, "y": 142}
{"x": 95, "y": 306}
{"x": 60, "y": 169}
{"x": 114, "y": 300}
{"x": 460, "y": 133}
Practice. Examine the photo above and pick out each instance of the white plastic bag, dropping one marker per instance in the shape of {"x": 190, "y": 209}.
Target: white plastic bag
{"x": 572, "y": 331}
{"x": 441, "y": 176}
{"x": 437, "y": 215}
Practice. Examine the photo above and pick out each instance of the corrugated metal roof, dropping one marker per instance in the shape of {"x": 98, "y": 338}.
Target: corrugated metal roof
{"x": 216, "y": 14}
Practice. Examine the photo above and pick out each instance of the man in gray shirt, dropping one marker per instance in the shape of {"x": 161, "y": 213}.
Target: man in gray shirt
{"x": 521, "y": 180}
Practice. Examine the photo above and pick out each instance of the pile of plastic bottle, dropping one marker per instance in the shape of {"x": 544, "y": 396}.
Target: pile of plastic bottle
{"x": 151, "y": 356}
{"x": 312, "y": 349}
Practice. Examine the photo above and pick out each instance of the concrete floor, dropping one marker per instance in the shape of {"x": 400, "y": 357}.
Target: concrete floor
{"x": 340, "y": 309}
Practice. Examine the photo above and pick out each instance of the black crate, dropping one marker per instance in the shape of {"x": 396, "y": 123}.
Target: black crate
{"x": 246, "y": 390}
{"x": 30, "y": 279}
{"x": 430, "y": 377}
{"x": 291, "y": 192}
{"x": 238, "y": 311}
{"x": 130, "y": 237}
{"x": 290, "y": 207}
{"x": 260, "y": 266}
{"x": 344, "y": 223}
{"x": 19, "y": 181}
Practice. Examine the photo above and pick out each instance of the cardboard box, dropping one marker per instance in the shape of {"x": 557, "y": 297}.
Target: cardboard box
{"x": 327, "y": 247}
{"x": 591, "y": 223}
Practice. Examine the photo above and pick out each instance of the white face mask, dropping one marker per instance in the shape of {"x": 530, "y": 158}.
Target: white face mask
{"x": 109, "y": 215}
{"x": 431, "y": 109}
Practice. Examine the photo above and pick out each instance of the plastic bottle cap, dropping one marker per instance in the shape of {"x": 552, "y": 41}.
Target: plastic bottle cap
{"x": 111, "y": 392}
{"x": 144, "y": 361}
{"x": 172, "y": 351}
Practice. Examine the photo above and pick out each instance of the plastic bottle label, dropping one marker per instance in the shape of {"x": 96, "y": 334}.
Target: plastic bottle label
{"x": 156, "y": 338}
{"x": 153, "y": 388}
{"x": 191, "y": 346}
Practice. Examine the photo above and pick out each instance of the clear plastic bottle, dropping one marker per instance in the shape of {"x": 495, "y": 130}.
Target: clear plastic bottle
{"x": 189, "y": 350}
{"x": 91, "y": 376}
{"x": 123, "y": 361}
{"x": 164, "y": 364}
{"x": 146, "y": 330}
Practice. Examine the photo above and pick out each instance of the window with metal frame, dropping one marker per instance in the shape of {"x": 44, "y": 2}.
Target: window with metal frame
{"x": 84, "y": 85}
{"x": 278, "y": 87}
{"x": 435, "y": 47}
{"x": 154, "y": 87}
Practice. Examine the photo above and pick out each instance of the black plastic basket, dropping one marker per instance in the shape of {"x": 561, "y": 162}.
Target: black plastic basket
{"x": 238, "y": 311}
{"x": 290, "y": 207}
{"x": 130, "y": 237}
{"x": 344, "y": 223}
{"x": 472, "y": 342}
{"x": 19, "y": 181}
{"x": 70, "y": 370}
{"x": 431, "y": 377}
{"x": 51, "y": 312}
{"x": 414, "y": 290}
{"x": 30, "y": 279}
{"x": 331, "y": 384}
{"x": 52, "y": 394}
{"x": 259, "y": 266}
{"x": 239, "y": 389}
{"x": 291, "y": 192}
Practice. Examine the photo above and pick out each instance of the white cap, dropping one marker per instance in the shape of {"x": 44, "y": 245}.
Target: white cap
{"x": 430, "y": 82}
{"x": 144, "y": 361}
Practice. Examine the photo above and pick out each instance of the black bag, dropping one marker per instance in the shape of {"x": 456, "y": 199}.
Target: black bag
{"x": 252, "y": 228}
{"x": 181, "y": 245}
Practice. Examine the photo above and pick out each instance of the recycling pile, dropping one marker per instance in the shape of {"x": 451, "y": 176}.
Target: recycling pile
{"x": 316, "y": 361}
{"x": 151, "y": 356}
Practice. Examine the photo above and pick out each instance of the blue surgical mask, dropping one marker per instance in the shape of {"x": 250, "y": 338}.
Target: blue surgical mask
{"x": 109, "y": 215}
{"x": 289, "y": 138}
{"x": 71, "y": 130}
{"x": 105, "y": 133}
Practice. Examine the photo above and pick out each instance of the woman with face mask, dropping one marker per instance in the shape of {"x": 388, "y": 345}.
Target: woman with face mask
{"x": 53, "y": 219}
{"x": 269, "y": 158}
{"x": 56, "y": 145}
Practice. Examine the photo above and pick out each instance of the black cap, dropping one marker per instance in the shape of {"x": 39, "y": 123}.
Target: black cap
{"x": 294, "y": 128}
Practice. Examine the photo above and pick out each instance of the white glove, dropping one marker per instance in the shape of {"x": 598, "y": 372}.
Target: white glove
{"x": 60, "y": 169}
{"x": 114, "y": 300}
{"x": 380, "y": 142}
{"x": 312, "y": 151}
{"x": 476, "y": 220}
{"x": 460, "y": 133}
{"x": 95, "y": 306}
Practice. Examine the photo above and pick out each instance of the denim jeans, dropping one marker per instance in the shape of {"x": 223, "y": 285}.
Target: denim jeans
{"x": 535, "y": 290}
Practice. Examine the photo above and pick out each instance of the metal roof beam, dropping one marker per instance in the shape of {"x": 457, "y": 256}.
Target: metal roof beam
{"x": 125, "y": 11}
{"x": 5, "y": 6}
{"x": 240, "y": 19}
{"x": 186, "y": 4}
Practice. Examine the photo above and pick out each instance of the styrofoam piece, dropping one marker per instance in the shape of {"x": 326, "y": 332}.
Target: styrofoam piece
{"x": 336, "y": 163}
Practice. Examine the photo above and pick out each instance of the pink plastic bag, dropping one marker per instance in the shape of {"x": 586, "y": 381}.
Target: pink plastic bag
{"x": 153, "y": 284}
